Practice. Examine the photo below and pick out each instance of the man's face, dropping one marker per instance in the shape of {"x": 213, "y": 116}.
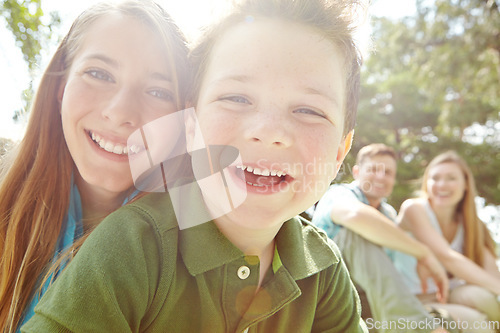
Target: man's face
{"x": 376, "y": 176}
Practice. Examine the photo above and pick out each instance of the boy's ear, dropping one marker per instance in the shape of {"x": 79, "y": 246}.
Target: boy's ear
{"x": 344, "y": 148}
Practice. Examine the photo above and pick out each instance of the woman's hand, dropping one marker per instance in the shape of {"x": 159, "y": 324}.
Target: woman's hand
{"x": 429, "y": 267}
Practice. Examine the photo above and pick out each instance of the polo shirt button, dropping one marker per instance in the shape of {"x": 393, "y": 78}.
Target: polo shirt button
{"x": 243, "y": 272}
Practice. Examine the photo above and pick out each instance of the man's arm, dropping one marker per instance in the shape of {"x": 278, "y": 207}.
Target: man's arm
{"x": 374, "y": 226}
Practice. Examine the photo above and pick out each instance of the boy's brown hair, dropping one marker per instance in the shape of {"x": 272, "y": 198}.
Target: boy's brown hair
{"x": 375, "y": 149}
{"x": 334, "y": 19}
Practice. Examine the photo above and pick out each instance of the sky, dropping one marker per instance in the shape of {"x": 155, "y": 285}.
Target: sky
{"x": 190, "y": 15}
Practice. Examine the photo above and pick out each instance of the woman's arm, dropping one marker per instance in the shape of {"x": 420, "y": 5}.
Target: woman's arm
{"x": 414, "y": 217}
{"x": 490, "y": 264}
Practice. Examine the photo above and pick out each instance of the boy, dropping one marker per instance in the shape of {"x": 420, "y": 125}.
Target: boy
{"x": 277, "y": 80}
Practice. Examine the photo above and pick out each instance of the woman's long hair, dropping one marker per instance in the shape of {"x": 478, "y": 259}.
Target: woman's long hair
{"x": 477, "y": 236}
{"x": 36, "y": 177}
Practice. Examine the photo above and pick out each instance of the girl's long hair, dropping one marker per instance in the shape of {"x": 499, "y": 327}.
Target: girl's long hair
{"x": 35, "y": 180}
{"x": 477, "y": 236}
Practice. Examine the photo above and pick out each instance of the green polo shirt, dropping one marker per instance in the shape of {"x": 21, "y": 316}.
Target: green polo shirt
{"x": 138, "y": 272}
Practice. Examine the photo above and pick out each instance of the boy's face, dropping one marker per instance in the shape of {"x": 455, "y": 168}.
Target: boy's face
{"x": 276, "y": 91}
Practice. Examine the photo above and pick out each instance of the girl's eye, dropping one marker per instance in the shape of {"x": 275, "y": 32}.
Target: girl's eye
{"x": 100, "y": 75}
{"x": 235, "y": 99}
{"x": 310, "y": 111}
{"x": 162, "y": 94}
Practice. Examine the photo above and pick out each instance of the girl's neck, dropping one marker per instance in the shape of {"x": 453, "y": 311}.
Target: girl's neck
{"x": 445, "y": 215}
{"x": 97, "y": 203}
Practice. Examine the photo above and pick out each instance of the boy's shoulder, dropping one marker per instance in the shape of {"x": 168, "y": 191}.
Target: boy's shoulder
{"x": 153, "y": 208}
{"x": 305, "y": 249}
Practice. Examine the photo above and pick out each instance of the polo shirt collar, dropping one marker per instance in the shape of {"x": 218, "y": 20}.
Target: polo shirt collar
{"x": 303, "y": 251}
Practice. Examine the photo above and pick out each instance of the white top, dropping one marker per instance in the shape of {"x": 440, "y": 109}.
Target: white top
{"x": 406, "y": 264}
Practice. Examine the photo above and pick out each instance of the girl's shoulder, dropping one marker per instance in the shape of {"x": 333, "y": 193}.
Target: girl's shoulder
{"x": 414, "y": 204}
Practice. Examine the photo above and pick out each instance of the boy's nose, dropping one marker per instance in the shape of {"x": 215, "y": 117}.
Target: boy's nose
{"x": 270, "y": 128}
{"x": 123, "y": 108}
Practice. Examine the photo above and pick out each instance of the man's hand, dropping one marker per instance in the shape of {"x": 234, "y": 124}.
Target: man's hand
{"x": 429, "y": 267}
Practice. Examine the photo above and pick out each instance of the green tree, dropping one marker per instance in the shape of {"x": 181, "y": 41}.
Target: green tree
{"x": 5, "y": 145}
{"x": 24, "y": 20}
{"x": 433, "y": 84}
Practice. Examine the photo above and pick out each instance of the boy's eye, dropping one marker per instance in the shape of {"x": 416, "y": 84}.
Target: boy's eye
{"x": 310, "y": 111}
{"x": 100, "y": 75}
{"x": 162, "y": 94}
{"x": 235, "y": 99}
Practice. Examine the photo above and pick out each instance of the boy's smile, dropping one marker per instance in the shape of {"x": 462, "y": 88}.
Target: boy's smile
{"x": 276, "y": 91}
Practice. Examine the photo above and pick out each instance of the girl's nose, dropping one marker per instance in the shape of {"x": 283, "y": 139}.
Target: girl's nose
{"x": 123, "y": 108}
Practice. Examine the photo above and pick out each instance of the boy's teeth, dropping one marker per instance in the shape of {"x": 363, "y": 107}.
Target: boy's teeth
{"x": 260, "y": 172}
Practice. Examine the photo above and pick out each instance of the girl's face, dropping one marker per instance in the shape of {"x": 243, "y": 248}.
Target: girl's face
{"x": 117, "y": 82}
{"x": 446, "y": 184}
{"x": 276, "y": 91}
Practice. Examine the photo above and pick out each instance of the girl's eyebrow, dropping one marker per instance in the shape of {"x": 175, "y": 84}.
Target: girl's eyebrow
{"x": 103, "y": 58}
{"x": 161, "y": 77}
{"x": 113, "y": 63}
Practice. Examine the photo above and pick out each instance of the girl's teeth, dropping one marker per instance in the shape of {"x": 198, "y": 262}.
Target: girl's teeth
{"x": 102, "y": 143}
{"x": 109, "y": 146}
{"x": 134, "y": 149}
{"x": 118, "y": 149}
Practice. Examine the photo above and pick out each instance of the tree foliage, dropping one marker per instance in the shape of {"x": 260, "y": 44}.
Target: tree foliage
{"x": 24, "y": 20}
{"x": 432, "y": 85}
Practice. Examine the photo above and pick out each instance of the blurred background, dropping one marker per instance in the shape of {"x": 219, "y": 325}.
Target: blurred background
{"x": 430, "y": 81}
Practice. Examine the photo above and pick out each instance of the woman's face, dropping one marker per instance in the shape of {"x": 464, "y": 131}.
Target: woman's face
{"x": 446, "y": 184}
{"x": 118, "y": 81}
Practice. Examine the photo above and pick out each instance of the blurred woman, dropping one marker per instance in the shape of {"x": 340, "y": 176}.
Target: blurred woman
{"x": 445, "y": 219}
